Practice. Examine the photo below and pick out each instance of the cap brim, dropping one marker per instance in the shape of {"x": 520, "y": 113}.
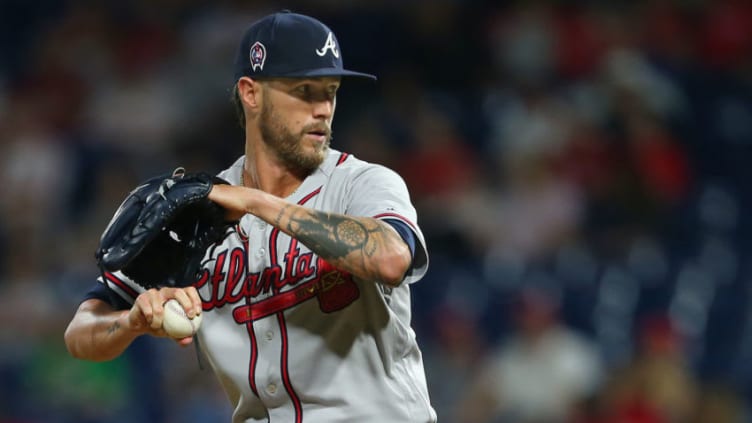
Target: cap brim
{"x": 329, "y": 72}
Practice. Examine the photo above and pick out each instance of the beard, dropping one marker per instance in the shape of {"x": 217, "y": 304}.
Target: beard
{"x": 288, "y": 146}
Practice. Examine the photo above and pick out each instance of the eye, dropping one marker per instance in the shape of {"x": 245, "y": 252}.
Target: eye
{"x": 315, "y": 92}
{"x": 303, "y": 90}
{"x": 332, "y": 92}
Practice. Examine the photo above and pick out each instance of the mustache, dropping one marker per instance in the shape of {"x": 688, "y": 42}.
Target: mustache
{"x": 317, "y": 127}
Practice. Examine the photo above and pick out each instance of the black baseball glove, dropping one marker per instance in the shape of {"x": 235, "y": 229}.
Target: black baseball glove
{"x": 161, "y": 231}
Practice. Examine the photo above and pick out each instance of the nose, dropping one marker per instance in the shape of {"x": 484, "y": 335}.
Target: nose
{"x": 323, "y": 109}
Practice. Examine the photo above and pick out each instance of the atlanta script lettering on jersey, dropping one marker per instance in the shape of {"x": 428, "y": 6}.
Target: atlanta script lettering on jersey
{"x": 299, "y": 278}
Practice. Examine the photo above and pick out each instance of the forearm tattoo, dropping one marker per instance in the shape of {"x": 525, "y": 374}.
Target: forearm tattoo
{"x": 342, "y": 240}
{"x": 113, "y": 328}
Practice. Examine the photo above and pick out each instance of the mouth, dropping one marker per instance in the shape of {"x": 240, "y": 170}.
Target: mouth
{"x": 320, "y": 135}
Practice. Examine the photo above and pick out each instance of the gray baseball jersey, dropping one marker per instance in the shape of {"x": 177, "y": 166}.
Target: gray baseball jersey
{"x": 293, "y": 339}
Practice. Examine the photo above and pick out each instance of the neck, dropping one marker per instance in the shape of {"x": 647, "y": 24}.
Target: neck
{"x": 263, "y": 171}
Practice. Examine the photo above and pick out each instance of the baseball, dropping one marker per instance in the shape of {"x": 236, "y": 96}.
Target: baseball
{"x": 176, "y": 323}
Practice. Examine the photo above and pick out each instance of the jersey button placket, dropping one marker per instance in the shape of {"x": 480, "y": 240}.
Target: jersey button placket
{"x": 271, "y": 388}
{"x": 268, "y": 346}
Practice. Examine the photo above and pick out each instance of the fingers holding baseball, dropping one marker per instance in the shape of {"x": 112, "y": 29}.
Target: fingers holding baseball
{"x": 189, "y": 300}
{"x": 177, "y": 323}
{"x": 148, "y": 312}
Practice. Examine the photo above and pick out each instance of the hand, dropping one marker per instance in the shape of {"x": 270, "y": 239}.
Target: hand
{"x": 232, "y": 198}
{"x": 147, "y": 313}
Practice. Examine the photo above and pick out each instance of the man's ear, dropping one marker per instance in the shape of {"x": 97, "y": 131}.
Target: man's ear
{"x": 249, "y": 91}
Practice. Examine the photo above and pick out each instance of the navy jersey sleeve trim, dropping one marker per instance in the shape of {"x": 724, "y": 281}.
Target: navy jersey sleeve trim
{"x": 405, "y": 232}
{"x": 102, "y": 292}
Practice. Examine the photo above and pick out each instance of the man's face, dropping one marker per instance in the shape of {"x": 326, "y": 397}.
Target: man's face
{"x": 296, "y": 120}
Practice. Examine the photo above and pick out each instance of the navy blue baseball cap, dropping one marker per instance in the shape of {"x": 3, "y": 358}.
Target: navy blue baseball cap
{"x": 290, "y": 45}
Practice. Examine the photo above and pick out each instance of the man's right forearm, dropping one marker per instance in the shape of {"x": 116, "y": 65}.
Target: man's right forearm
{"x": 97, "y": 332}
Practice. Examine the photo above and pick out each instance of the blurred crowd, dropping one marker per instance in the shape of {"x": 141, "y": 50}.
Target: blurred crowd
{"x": 580, "y": 168}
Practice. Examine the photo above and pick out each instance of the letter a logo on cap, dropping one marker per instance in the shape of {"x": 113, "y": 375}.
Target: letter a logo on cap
{"x": 258, "y": 56}
{"x": 329, "y": 45}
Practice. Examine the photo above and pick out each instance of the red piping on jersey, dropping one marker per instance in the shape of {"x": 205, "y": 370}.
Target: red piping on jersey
{"x": 398, "y": 216}
{"x": 309, "y": 196}
{"x": 251, "y": 332}
{"x": 254, "y": 357}
{"x": 272, "y": 259}
{"x": 120, "y": 284}
{"x": 342, "y": 158}
{"x": 239, "y": 230}
{"x": 283, "y": 362}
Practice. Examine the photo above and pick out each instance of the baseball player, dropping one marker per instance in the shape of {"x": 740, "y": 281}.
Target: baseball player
{"x": 306, "y": 304}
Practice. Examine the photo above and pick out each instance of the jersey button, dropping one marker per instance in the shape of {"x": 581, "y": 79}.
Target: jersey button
{"x": 271, "y": 388}
{"x": 269, "y": 335}
{"x": 260, "y": 252}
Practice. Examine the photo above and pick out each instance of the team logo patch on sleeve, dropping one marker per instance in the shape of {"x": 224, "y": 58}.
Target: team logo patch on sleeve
{"x": 258, "y": 56}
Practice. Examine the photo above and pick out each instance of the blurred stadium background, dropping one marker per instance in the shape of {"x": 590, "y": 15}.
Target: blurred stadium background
{"x": 581, "y": 169}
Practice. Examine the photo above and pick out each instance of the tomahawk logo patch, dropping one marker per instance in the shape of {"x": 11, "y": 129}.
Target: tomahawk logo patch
{"x": 328, "y": 45}
{"x": 258, "y": 56}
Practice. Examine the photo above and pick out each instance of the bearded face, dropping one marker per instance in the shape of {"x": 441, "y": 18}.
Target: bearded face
{"x": 289, "y": 146}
